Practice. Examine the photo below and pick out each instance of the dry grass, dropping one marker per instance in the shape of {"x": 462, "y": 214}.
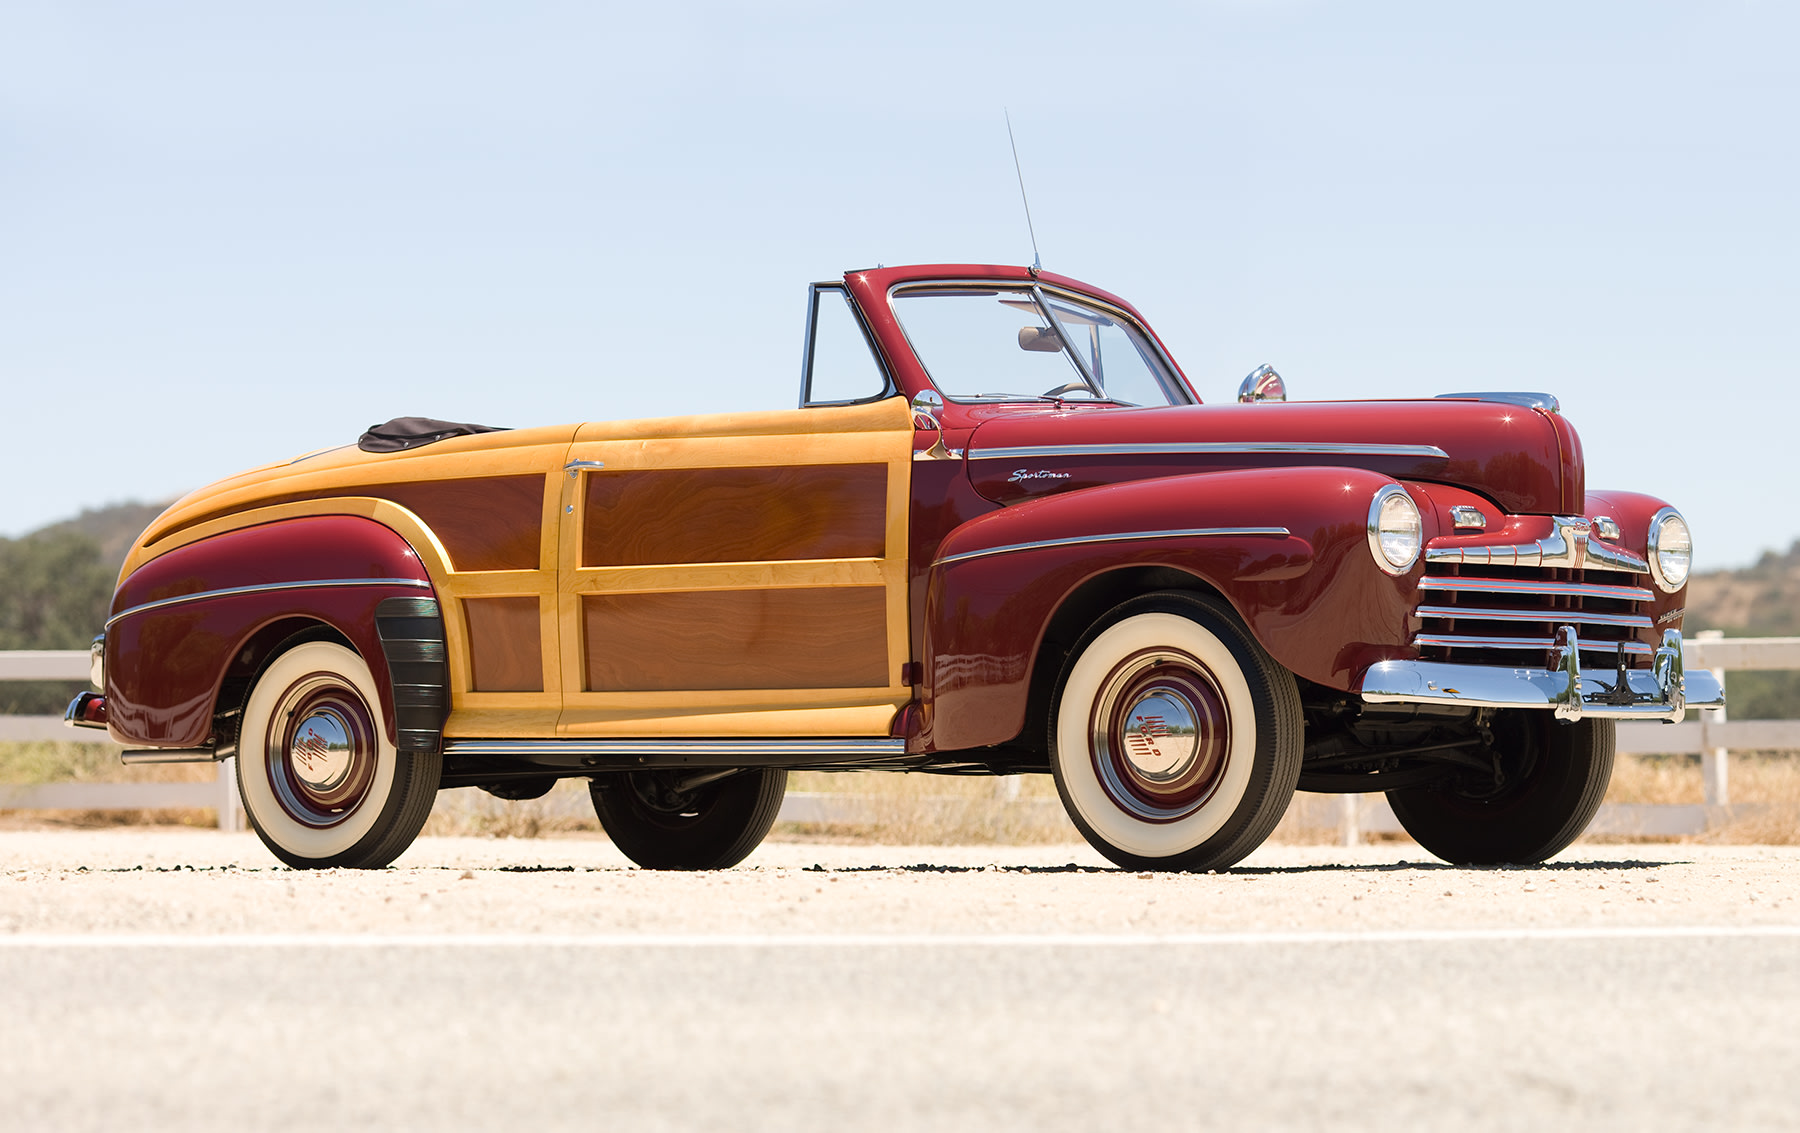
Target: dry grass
{"x": 883, "y": 808}
{"x": 1764, "y": 788}
{"x": 935, "y": 810}
{"x": 900, "y": 809}
{"x": 1753, "y": 777}
{"x": 37, "y": 763}
{"x": 1778, "y": 825}
{"x": 472, "y": 812}
{"x": 1661, "y": 779}
{"x": 1312, "y": 820}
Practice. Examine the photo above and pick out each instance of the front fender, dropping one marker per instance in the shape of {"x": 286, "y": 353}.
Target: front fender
{"x": 181, "y": 621}
{"x": 1288, "y": 549}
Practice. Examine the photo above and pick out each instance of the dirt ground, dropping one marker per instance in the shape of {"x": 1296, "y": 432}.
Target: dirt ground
{"x": 184, "y": 978}
{"x": 162, "y": 880}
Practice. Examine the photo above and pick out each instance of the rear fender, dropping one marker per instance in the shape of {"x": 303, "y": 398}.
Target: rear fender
{"x": 1012, "y": 590}
{"x": 203, "y": 617}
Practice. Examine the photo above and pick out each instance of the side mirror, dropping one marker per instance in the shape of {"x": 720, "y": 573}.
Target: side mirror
{"x": 1263, "y": 384}
{"x": 925, "y": 408}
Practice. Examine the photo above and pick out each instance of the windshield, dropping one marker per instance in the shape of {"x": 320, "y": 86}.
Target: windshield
{"x": 1001, "y": 344}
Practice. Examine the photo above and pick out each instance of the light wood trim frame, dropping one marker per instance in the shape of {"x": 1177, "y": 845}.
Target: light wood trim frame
{"x": 867, "y": 434}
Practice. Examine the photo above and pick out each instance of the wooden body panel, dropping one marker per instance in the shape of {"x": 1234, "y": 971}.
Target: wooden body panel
{"x": 487, "y": 524}
{"x": 728, "y": 515}
{"x": 505, "y": 644}
{"x": 798, "y": 638}
{"x": 484, "y": 523}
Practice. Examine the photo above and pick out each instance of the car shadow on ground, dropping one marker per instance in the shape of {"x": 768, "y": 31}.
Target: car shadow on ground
{"x": 1404, "y": 866}
{"x": 935, "y": 867}
{"x": 1261, "y": 871}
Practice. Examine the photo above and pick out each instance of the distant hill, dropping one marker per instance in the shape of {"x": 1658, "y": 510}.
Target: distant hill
{"x": 55, "y": 586}
{"x": 1761, "y": 600}
{"x": 112, "y": 528}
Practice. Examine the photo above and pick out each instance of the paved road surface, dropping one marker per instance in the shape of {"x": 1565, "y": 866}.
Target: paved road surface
{"x": 541, "y": 984}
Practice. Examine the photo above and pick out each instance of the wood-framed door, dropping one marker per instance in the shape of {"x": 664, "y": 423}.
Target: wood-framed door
{"x": 736, "y": 574}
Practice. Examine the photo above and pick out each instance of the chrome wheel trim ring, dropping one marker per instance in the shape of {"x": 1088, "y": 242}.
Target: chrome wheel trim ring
{"x": 323, "y": 748}
{"x": 1159, "y": 735}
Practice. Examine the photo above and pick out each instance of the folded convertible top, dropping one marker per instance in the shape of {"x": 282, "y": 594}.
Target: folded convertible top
{"x": 411, "y": 432}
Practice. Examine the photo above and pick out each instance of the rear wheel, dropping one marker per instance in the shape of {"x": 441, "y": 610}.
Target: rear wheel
{"x": 667, "y": 820}
{"x": 1174, "y": 738}
{"x": 1549, "y": 781}
{"x": 321, "y": 781}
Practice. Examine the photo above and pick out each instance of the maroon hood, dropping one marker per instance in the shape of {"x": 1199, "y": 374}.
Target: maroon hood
{"x": 1528, "y": 461}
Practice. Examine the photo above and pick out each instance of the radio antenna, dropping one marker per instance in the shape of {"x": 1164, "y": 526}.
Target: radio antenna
{"x": 1037, "y": 263}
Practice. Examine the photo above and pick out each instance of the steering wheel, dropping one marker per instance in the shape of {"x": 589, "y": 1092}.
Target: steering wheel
{"x": 1066, "y": 387}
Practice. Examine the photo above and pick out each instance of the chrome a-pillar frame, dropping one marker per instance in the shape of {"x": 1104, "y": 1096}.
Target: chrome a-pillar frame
{"x": 1666, "y": 691}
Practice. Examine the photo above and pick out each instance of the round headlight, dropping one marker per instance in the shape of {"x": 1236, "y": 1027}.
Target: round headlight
{"x": 1671, "y": 550}
{"x": 1395, "y": 530}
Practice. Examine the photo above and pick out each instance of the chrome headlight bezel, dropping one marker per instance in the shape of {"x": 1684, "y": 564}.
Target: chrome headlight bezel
{"x": 1668, "y": 579}
{"x": 1392, "y": 502}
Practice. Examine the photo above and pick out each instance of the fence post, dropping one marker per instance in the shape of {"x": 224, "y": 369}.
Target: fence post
{"x": 229, "y": 802}
{"x": 1715, "y": 762}
{"x": 1349, "y": 826}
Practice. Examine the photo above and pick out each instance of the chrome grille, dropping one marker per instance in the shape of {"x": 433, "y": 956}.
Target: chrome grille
{"x": 1498, "y": 615}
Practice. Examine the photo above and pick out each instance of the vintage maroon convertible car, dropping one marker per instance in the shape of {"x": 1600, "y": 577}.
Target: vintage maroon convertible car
{"x": 999, "y": 535}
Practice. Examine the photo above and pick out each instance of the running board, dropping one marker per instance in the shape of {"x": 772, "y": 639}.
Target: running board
{"x": 465, "y": 759}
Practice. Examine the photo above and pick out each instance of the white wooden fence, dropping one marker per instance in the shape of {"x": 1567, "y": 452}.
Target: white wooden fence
{"x": 1711, "y": 737}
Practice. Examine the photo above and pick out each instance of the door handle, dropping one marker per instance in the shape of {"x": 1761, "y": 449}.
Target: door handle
{"x": 576, "y": 467}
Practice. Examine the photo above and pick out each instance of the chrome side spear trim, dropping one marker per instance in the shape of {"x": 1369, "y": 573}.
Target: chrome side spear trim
{"x": 1120, "y": 537}
{"x": 1197, "y": 448}
{"x": 309, "y": 584}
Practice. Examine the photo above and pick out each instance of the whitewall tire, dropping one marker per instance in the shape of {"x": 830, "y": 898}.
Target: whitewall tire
{"x": 322, "y": 783}
{"x": 1174, "y": 739}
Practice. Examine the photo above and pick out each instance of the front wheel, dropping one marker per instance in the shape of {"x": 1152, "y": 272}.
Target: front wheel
{"x": 669, "y": 820}
{"x": 1175, "y": 739}
{"x": 322, "y": 783}
{"x": 1549, "y": 779}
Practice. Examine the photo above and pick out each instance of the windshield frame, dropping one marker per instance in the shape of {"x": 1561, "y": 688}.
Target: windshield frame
{"x": 1167, "y": 374}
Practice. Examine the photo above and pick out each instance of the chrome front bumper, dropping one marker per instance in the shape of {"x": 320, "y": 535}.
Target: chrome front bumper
{"x": 1664, "y": 692}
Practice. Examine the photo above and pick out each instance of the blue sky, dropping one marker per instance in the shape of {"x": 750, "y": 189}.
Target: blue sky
{"x": 230, "y": 233}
